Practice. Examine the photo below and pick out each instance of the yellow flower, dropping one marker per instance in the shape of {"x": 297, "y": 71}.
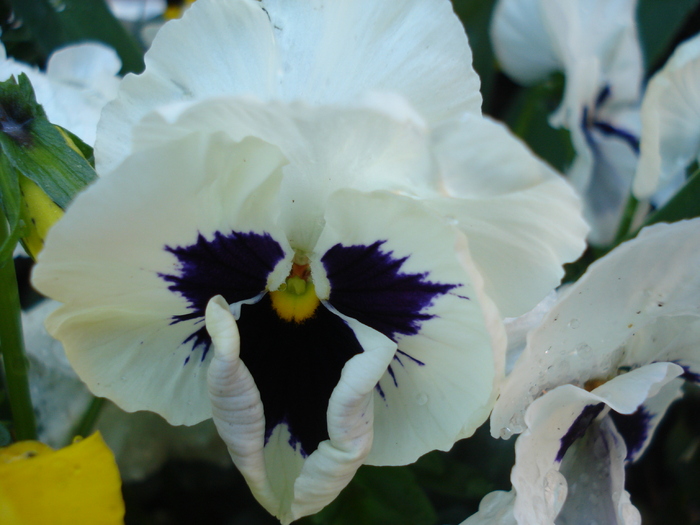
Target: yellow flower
{"x": 76, "y": 484}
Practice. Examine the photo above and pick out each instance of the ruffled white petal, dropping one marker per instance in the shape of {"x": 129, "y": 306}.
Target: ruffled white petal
{"x": 522, "y": 220}
{"x": 422, "y": 407}
{"x": 585, "y": 335}
{"x": 542, "y": 481}
{"x": 328, "y": 147}
{"x": 333, "y": 51}
{"x": 595, "y": 474}
{"x": 655, "y": 408}
{"x": 103, "y": 260}
{"x": 319, "y": 52}
{"x": 670, "y": 116}
{"x": 285, "y": 483}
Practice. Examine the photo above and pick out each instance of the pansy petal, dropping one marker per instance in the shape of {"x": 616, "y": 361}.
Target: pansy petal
{"x": 638, "y": 428}
{"x": 563, "y": 429}
{"x": 670, "y": 114}
{"x": 232, "y": 39}
{"x": 286, "y": 482}
{"x": 523, "y": 221}
{"x": 328, "y": 147}
{"x": 672, "y": 338}
{"x": 584, "y": 336}
{"x": 125, "y": 261}
{"x": 603, "y": 175}
{"x": 320, "y": 52}
{"x": 595, "y": 473}
{"x": 522, "y": 42}
{"x": 417, "y": 48}
{"x": 397, "y": 267}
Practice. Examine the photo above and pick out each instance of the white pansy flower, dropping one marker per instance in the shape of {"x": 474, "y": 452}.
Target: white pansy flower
{"x": 78, "y": 82}
{"x": 303, "y": 203}
{"x": 670, "y": 123}
{"x": 597, "y": 376}
{"x": 595, "y": 44}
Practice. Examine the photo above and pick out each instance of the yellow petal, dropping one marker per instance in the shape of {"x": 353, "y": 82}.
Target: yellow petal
{"x": 76, "y": 484}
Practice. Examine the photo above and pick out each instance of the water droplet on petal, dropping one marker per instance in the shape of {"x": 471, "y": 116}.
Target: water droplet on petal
{"x": 574, "y": 323}
{"x": 422, "y": 398}
{"x": 451, "y": 219}
{"x": 554, "y": 490}
{"x": 583, "y": 349}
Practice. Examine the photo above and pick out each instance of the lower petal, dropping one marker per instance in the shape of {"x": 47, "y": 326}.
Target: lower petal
{"x": 397, "y": 267}
{"x": 289, "y": 481}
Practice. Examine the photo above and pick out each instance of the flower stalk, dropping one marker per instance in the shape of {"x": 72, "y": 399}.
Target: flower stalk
{"x": 12, "y": 347}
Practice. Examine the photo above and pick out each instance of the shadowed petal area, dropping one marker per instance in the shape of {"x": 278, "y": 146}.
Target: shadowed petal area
{"x": 296, "y": 366}
{"x": 369, "y": 285}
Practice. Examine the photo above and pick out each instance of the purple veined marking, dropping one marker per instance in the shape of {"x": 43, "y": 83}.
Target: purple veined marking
{"x": 234, "y": 265}
{"x": 634, "y": 429}
{"x": 578, "y": 428}
{"x": 367, "y": 284}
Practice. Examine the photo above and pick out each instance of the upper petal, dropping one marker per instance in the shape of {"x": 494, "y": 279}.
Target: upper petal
{"x": 523, "y": 42}
{"x": 124, "y": 260}
{"x": 670, "y": 116}
{"x": 287, "y": 482}
{"x": 320, "y": 52}
{"x": 522, "y": 220}
{"x": 586, "y": 335}
{"x": 397, "y": 267}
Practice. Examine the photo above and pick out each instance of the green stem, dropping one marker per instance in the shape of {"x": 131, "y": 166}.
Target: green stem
{"x": 625, "y": 225}
{"x": 84, "y": 427}
{"x": 12, "y": 347}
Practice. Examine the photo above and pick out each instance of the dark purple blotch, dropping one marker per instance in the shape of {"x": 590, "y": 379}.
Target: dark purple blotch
{"x": 368, "y": 284}
{"x": 578, "y": 428}
{"x": 235, "y": 266}
{"x": 634, "y": 429}
{"x": 688, "y": 374}
{"x": 296, "y": 367}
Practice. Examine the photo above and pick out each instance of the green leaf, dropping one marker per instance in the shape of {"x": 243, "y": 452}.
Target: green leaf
{"x": 36, "y": 148}
{"x": 659, "y": 22}
{"x": 684, "y": 205}
{"x": 379, "y": 496}
{"x": 10, "y": 202}
{"x": 57, "y": 23}
{"x": 476, "y": 16}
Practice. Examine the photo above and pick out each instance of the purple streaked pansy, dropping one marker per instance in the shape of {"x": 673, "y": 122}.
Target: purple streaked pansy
{"x": 596, "y": 46}
{"x": 317, "y": 257}
{"x": 596, "y": 377}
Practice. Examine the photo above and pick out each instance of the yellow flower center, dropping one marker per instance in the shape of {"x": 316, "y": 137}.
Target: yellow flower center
{"x": 296, "y": 300}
